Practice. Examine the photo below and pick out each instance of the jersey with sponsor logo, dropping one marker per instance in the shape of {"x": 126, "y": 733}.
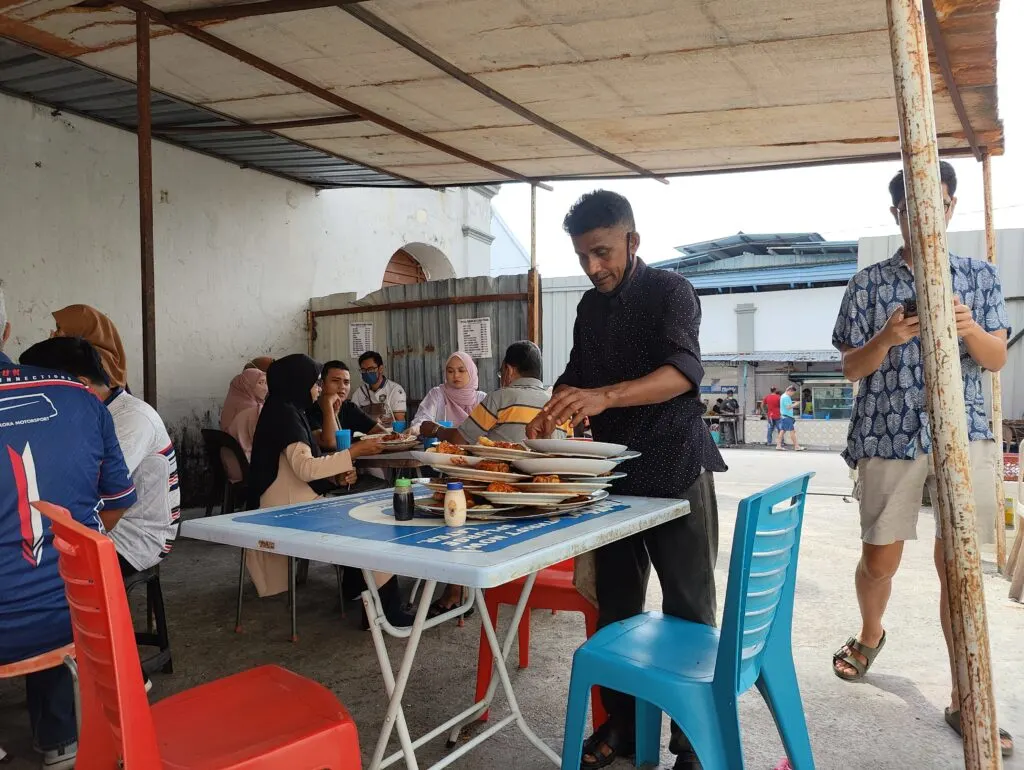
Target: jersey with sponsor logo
{"x": 57, "y": 444}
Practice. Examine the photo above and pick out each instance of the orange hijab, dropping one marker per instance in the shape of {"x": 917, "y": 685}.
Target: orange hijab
{"x": 90, "y": 324}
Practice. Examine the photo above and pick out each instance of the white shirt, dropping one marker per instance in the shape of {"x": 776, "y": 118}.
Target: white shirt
{"x": 434, "y": 407}
{"x": 383, "y": 402}
{"x": 146, "y": 532}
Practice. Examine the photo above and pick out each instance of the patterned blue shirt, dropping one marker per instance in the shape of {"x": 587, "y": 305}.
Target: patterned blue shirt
{"x": 890, "y": 419}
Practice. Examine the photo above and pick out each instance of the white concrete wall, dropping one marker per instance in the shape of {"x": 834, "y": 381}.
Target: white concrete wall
{"x": 783, "y": 320}
{"x": 238, "y": 253}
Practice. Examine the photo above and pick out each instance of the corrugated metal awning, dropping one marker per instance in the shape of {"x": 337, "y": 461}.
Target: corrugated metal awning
{"x": 446, "y": 92}
{"x": 70, "y": 86}
{"x": 794, "y": 277}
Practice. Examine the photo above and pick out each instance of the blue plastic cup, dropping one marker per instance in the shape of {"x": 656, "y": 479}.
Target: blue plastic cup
{"x": 343, "y": 439}
{"x": 446, "y": 424}
{"x": 399, "y": 426}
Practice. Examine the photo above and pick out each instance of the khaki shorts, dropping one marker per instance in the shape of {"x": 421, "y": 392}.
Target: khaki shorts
{"x": 890, "y": 494}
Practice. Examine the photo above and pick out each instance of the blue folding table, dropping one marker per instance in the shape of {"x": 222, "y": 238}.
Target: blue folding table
{"x": 360, "y": 531}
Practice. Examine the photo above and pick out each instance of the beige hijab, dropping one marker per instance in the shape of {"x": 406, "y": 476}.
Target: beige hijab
{"x": 90, "y": 324}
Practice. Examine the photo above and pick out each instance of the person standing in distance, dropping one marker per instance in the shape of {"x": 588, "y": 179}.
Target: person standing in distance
{"x": 635, "y": 372}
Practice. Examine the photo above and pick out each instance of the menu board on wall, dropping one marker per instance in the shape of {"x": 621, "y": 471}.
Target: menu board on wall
{"x": 360, "y": 338}
{"x": 475, "y": 337}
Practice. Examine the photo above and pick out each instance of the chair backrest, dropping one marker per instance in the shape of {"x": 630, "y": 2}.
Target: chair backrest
{"x": 116, "y": 721}
{"x": 225, "y": 456}
{"x": 762, "y": 579}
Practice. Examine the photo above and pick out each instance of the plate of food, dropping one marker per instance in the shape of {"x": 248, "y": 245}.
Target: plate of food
{"x": 579, "y": 501}
{"x": 443, "y": 460}
{"x": 501, "y": 493}
{"x": 624, "y": 456}
{"x": 565, "y": 466}
{"x": 484, "y": 470}
{"x": 604, "y": 478}
{"x": 575, "y": 447}
{"x": 581, "y": 487}
{"x": 498, "y": 450}
{"x": 440, "y": 485}
{"x": 394, "y": 442}
{"x": 435, "y": 504}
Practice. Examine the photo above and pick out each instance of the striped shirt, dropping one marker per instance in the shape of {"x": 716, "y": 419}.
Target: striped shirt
{"x": 146, "y": 532}
{"x": 505, "y": 413}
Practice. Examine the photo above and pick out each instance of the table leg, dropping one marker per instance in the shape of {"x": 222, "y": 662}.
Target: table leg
{"x": 395, "y": 687}
{"x": 510, "y": 637}
{"x": 500, "y": 654}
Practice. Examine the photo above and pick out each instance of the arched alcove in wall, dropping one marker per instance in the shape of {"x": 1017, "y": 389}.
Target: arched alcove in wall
{"x": 415, "y": 263}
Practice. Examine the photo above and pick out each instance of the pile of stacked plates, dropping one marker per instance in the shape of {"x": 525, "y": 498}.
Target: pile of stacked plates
{"x": 584, "y": 469}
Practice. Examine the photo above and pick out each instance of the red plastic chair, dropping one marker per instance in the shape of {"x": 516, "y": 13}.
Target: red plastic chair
{"x": 262, "y": 719}
{"x": 553, "y": 590}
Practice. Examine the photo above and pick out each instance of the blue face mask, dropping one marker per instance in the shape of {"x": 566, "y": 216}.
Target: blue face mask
{"x": 370, "y": 378}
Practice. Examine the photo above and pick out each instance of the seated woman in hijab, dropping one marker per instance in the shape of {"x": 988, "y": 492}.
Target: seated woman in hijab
{"x": 90, "y": 324}
{"x": 242, "y": 406}
{"x": 287, "y": 467}
{"x": 454, "y": 400}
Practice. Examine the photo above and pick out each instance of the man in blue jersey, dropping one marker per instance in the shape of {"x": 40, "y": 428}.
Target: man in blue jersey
{"x": 57, "y": 443}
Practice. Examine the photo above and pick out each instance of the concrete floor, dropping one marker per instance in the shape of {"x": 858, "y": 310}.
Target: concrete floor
{"x": 892, "y": 720}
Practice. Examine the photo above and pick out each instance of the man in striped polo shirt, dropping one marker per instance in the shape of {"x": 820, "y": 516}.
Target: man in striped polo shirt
{"x": 505, "y": 413}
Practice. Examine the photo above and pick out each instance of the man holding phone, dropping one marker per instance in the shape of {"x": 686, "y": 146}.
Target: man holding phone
{"x": 889, "y": 442}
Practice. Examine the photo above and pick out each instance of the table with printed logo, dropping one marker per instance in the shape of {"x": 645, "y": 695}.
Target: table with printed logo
{"x": 360, "y": 531}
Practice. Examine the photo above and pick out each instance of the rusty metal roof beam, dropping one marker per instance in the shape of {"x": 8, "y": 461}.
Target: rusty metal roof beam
{"x": 247, "y": 10}
{"x": 313, "y": 89}
{"x": 276, "y": 125}
{"x": 938, "y": 42}
{"x": 409, "y": 44}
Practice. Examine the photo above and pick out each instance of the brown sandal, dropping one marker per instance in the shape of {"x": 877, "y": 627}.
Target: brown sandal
{"x": 861, "y": 668}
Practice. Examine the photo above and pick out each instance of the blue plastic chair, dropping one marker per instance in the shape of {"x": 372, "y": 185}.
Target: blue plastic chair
{"x": 672, "y": 665}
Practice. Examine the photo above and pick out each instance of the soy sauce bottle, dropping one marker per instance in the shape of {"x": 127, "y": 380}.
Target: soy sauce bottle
{"x": 402, "y": 501}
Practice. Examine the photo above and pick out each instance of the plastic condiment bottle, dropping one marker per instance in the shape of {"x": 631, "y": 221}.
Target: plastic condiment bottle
{"x": 402, "y": 502}
{"x": 455, "y": 505}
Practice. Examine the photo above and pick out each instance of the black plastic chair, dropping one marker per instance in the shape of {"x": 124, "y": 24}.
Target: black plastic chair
{"x": 155, "y": 634}
{"x": 231, "y": 493}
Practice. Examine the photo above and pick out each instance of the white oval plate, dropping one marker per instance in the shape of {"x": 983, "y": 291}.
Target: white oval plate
{"x": 592, "y": 480}
{"x": 567, "y": 466}
{"x": 576, "y": 447}
{"x": 597, "y": 497}
{"x": 525, "y": 498}
{"x": 566, "y": 487}
{"x": 432, "y": 507}
{"x": 498, "y": 453}
{"x": 623, "y": 457}
{"x": 435, "y": 485}
{"x": 439, "y": 460}
{"x": 472, "y": 474}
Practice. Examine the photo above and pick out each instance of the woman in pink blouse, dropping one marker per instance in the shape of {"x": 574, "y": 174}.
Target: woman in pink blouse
{"x": 453, "y": 401}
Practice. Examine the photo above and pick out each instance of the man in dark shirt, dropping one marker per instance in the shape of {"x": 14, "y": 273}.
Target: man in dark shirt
{"x": 635, "y": 372}
{"x": 333, "y": 411}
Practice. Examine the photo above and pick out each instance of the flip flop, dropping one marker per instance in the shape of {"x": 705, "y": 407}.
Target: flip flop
{"x": 869, "y": 653}
{"x": 953, "y": 720}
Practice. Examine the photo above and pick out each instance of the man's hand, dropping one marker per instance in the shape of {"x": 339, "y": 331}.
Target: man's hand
{"x": 330, "y": 404}
{"x": 966, "y": 326}
{"x": 366, "y": 448}
{"x": 900, "y": 328}
{"x": 576, "y": 404}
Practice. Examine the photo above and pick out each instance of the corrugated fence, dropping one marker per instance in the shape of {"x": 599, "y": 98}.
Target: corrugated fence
{"x": 417, "y": 337}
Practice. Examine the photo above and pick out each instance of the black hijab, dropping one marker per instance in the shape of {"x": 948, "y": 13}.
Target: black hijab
{"x": 283, "y": 422}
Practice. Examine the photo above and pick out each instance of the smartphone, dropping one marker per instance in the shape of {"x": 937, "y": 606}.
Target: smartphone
{"x": 909, "y": 308}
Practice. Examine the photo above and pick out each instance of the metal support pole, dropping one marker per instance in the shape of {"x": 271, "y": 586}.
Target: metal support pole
{"x": 997, "y": 385}
{"x": 145, "y": 140}
{"x": 943, "y": 383}
{"x": 533, "y": 323}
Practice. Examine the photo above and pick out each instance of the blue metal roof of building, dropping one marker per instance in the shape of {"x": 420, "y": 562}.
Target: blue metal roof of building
{"x": 797, "y": 244}
{"x": 774, "y": 278}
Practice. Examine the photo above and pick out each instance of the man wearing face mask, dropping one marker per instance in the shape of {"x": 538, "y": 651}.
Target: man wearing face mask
{"x": 383, "y": 399}
{"x": 635, "y": 372}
